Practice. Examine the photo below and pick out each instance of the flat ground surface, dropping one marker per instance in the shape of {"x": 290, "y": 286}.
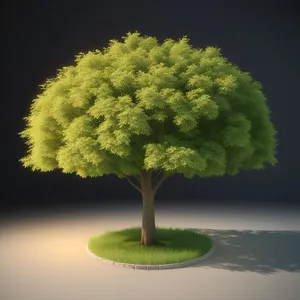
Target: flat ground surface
{"x": 257, "y": 256}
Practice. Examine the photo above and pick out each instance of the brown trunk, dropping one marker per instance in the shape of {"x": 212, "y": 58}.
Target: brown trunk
{"x": 148, "y": 220}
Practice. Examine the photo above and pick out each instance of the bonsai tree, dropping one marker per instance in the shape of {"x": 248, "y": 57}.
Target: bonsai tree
{"x": 144, "y": 111}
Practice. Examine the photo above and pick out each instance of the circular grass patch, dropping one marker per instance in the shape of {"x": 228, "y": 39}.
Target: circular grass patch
{"x": 173, "y": 245}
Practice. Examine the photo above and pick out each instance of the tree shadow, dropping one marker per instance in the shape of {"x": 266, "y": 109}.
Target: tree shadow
{"x": 260, "y": 251}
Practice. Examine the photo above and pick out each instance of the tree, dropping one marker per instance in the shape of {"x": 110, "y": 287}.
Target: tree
{"x": 144, "y": 111}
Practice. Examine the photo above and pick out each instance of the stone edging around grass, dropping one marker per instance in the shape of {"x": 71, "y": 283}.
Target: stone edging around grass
{"x": 154, "y": 267}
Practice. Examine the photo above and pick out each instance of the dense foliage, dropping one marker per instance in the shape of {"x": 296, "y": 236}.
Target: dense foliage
{"x": 140, "y": 104}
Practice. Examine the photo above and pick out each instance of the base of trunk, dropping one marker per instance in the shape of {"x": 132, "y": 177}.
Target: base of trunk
{"x": 148, "y": 236}
{"x": 148, "y": 223}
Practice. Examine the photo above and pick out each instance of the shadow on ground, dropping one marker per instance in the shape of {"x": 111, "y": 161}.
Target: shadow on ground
{"x": 260, "y": 251}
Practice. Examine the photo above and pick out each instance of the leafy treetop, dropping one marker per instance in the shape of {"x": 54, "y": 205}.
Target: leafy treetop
{"x": 139, "y": 104}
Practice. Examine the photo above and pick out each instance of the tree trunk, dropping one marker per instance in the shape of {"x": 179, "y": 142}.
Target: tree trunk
{"x": 148, "y": 219}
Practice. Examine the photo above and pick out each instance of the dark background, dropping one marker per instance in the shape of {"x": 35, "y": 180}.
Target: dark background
{"x": 39, "y": 37}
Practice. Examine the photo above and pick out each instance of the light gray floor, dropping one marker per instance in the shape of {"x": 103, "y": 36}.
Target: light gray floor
{"x": 257, "y": 256}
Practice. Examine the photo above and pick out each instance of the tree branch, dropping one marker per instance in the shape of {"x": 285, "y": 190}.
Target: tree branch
{"x": 133, "y": 184}
{"x": 136, "y": 177}
{"x": 157, "y": 175}
{"x": 136, "y": 187}
{"x": 164, "y": 177}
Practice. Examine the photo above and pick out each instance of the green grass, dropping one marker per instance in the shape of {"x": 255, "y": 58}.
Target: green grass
{"x": 172, "y": 246}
